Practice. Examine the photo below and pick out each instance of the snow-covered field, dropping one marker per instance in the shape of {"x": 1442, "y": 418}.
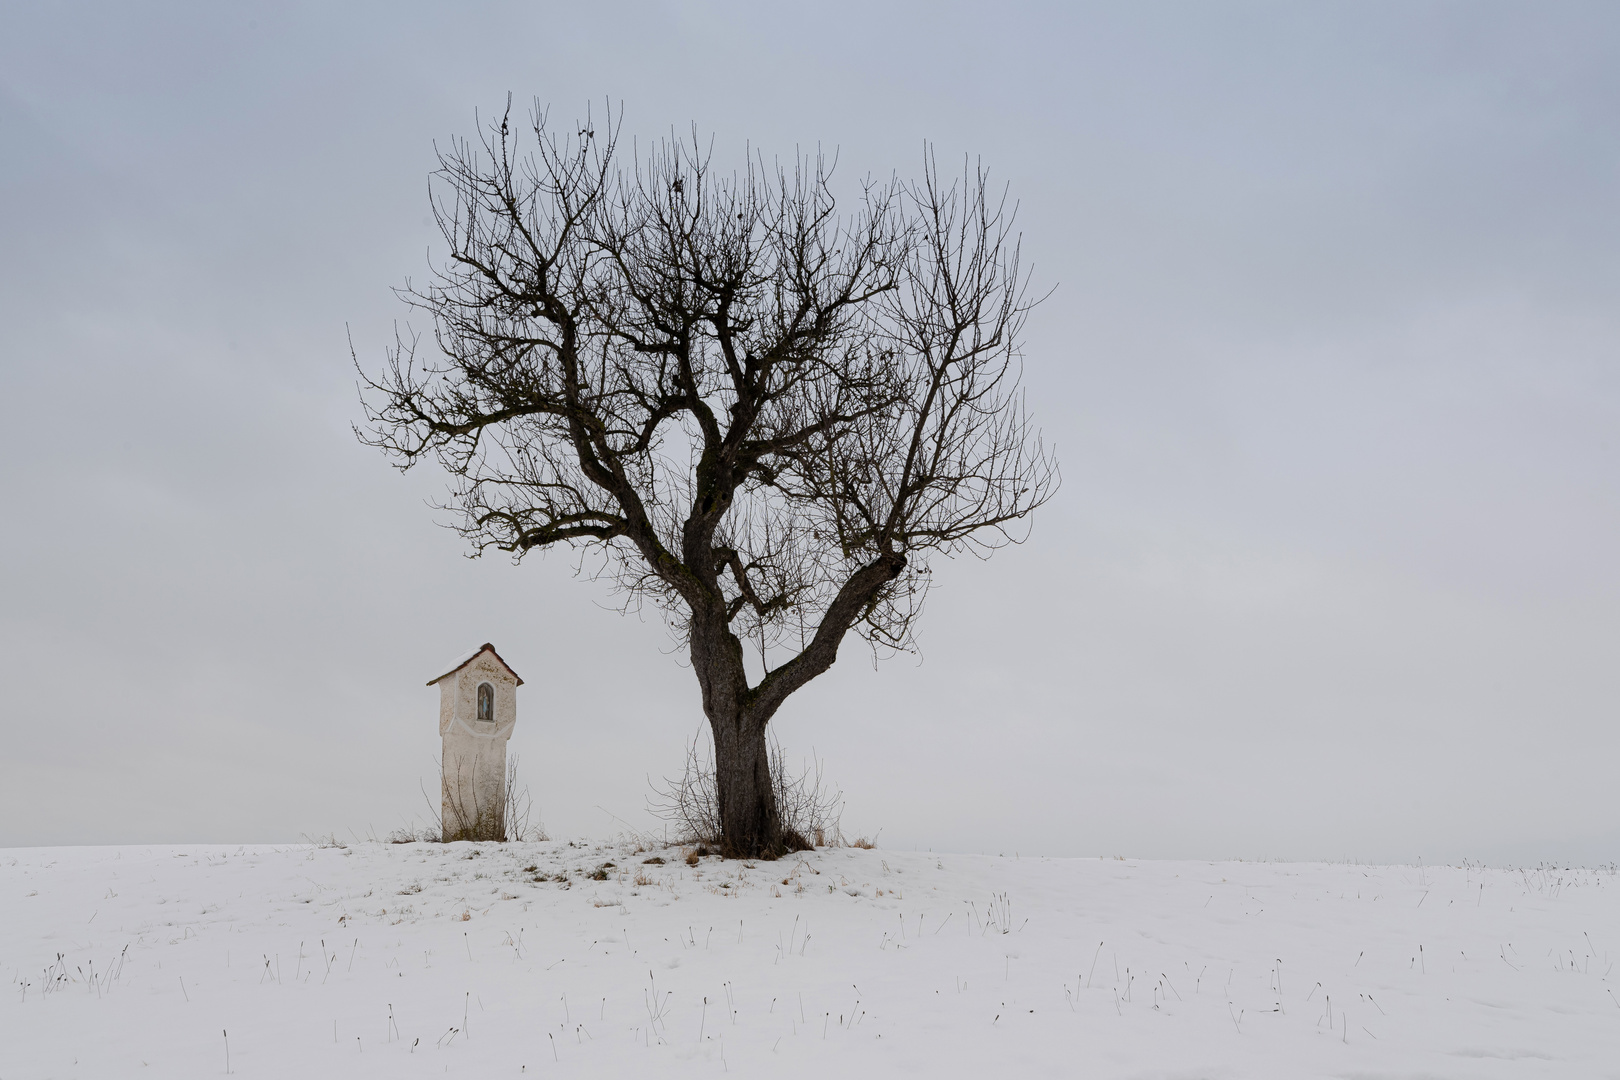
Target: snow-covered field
{"x": 506, "y": 960}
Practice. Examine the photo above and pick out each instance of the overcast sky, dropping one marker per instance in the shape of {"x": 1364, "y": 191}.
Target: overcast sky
{"x": 1330, "y": 367}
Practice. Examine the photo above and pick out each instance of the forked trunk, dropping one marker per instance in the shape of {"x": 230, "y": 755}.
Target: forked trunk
{"x": 751, "y": 825}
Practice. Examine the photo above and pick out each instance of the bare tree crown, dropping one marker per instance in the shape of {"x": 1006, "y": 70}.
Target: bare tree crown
{"x": 763, "y": 413}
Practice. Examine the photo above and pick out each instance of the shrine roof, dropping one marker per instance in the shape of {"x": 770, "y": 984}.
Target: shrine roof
{"x": 486, "y": 647}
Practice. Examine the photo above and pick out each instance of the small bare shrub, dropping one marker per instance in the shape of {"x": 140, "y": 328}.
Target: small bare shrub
{"x": 519, "y": 808}
{"x": 809, "y": 807}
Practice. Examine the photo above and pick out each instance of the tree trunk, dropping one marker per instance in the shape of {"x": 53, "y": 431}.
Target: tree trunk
{"x": 750, "y": 825}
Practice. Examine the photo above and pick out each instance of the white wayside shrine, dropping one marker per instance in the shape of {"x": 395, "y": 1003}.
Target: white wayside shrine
{"x": 477, "y": 708}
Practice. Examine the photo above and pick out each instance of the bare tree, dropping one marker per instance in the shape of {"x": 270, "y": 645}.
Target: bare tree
{"x": 757, "y": 413}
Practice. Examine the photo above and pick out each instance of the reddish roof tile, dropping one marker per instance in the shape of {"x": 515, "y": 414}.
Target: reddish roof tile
{"x": 486, "y": 647}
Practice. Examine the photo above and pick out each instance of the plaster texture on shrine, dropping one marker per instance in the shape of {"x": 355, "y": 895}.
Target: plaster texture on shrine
{"x": 477, "y": 711}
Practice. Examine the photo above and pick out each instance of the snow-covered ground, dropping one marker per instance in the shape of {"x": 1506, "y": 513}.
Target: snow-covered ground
{"x": 434, "y": 960}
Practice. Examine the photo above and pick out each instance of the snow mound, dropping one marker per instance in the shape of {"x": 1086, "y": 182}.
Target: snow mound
{"x": 599, "y": 960}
